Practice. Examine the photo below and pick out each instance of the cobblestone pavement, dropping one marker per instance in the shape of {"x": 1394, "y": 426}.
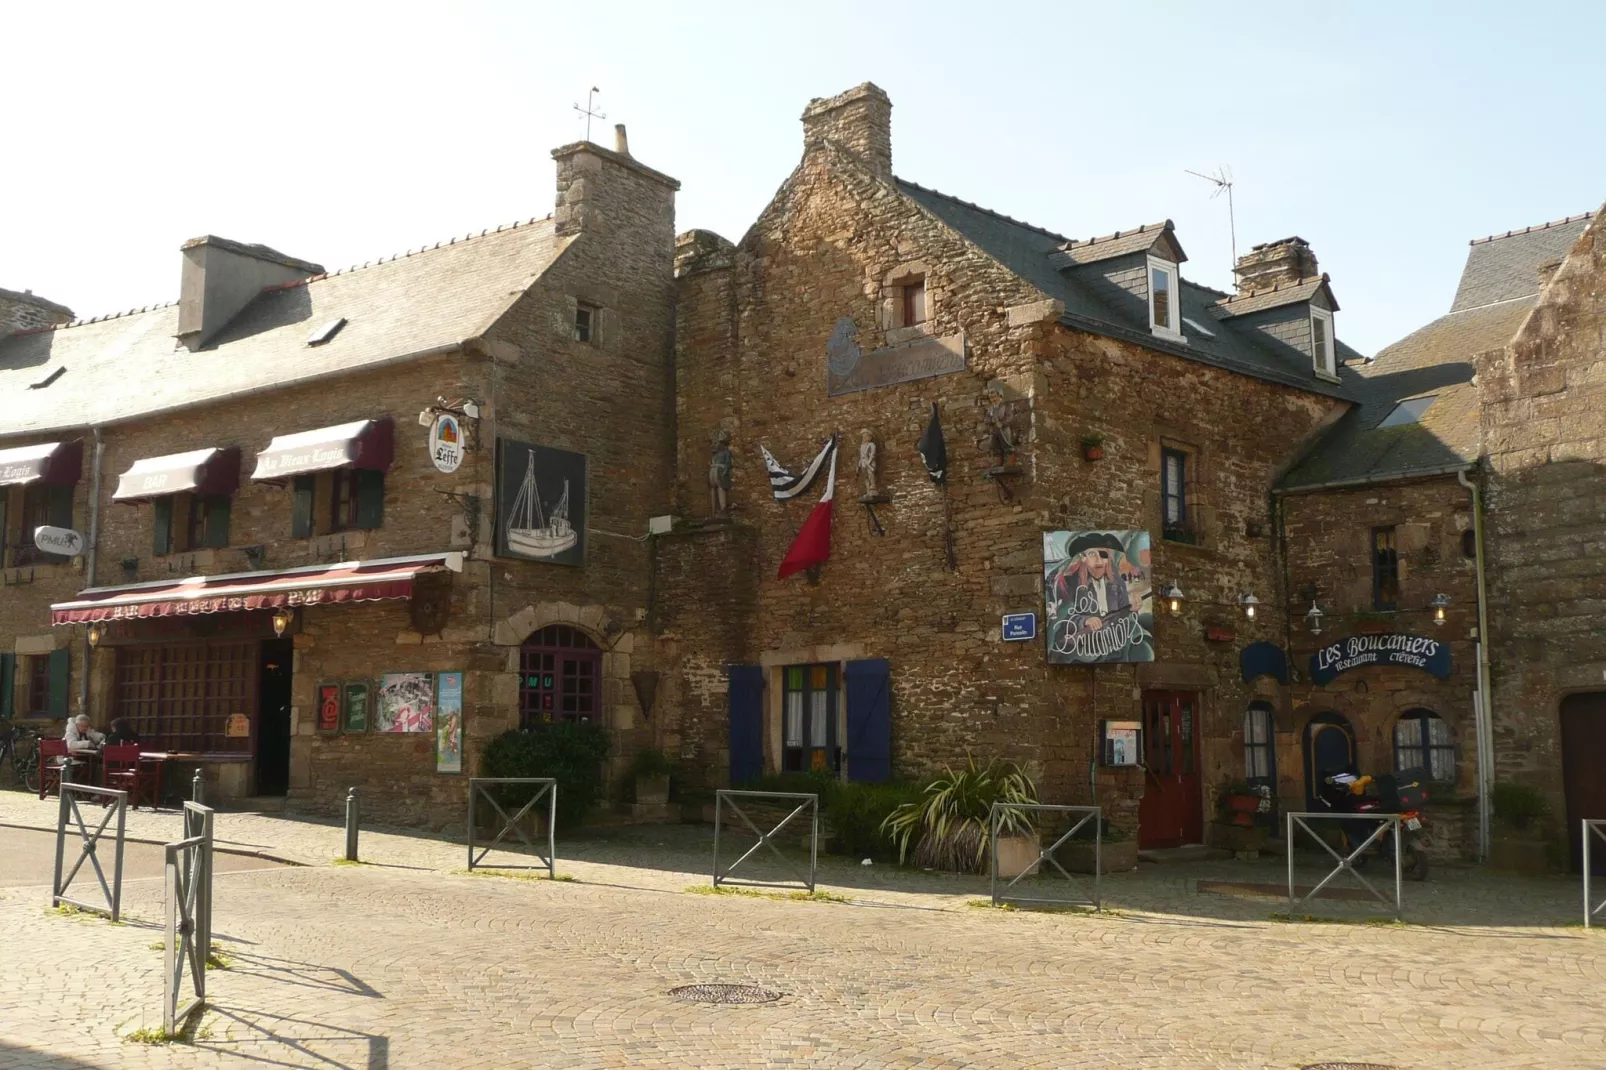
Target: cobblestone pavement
{"x": 409, "y": 962}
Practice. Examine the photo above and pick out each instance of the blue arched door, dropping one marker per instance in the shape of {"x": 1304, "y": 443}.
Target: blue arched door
{"x": 1329, "y": 747}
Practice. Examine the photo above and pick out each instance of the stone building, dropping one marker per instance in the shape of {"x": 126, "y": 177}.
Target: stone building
{"x": 341, "y": 527}
{"x": 1086, "y": 391}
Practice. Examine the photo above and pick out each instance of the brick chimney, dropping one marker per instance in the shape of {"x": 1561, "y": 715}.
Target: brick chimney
{"x": 859, "y": 120}
{"x": 25, "y": 312}
{"x": 1275, "y": 263}
{"x": 221, "y": 277}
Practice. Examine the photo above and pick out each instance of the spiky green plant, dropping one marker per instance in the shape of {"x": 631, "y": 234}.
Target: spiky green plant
{"x": 947, "y": 827}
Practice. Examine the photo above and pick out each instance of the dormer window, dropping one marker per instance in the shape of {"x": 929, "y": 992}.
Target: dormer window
{"x": 914, "y": 302}
{"x": 1321, "y": 343}
{"x": 1165, "y": 315}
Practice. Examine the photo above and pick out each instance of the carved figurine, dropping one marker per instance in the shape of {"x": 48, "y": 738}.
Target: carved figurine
{"x": 1001, "y": 415}
{"x": 719, "y": 475}
{"x": 867, "y": 452}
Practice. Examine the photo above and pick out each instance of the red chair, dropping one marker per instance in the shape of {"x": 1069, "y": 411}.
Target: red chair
{"x": 52, "y": 756}
{"x": 120, "y": 769}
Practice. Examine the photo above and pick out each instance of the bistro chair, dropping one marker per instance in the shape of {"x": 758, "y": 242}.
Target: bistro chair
{"x": 121, "y": 769}
{"x": 52, "y": 756}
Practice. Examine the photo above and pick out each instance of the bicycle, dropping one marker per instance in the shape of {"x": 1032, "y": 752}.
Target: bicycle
{"x": 20, "y": 744}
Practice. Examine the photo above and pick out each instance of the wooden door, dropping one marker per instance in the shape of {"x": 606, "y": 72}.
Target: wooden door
{"x": 1583, "y": 756}
{"x": 1329, "y": 747}
{"x": 1171, "y": 812}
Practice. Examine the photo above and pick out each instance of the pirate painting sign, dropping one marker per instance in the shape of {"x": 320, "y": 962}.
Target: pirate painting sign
{"x": 1098, "y": 600}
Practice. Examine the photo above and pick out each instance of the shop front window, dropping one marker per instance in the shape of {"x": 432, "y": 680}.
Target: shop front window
{"x": 560, "y": 678}
{"x": 1422, "y": 741}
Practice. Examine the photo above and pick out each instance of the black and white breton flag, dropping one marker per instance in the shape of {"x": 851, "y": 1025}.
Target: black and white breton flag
{"x": 934, "y": 448}
{"x": 783, "y": 484}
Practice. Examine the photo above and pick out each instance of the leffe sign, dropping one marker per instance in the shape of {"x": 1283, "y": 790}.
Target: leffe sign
{"x": 1360, "y": 651}
{"x": 63, "y": 541}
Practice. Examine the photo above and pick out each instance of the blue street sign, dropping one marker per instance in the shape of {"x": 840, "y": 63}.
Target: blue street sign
{"x": 1019, "y": 626}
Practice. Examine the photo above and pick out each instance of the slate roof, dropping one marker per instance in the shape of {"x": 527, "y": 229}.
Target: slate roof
{"x": 1276, "y": 297}
{"x": 1122, "y": 243}
{"x": 1034, "y": 254}
{"x": 1438, "y": 361}
{"x": 131, "y": 365}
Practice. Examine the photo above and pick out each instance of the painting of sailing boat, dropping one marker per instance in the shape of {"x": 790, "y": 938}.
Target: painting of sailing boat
{"x": 541, "y": 503}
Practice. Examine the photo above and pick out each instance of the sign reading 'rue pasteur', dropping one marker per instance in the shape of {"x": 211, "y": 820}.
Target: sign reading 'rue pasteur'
{"x": 1359, "y": 651}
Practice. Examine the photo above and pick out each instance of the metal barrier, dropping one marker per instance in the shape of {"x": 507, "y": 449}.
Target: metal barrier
{"x": 1385, "y": 823}
{"x": 189, "y": 916}
{"x": 549, "y": 790}
{"x": 1089, "y": 813}
{"x": 810, "y": 802}
{"x": 116, "y": 806}
{"x": 1592, "y": 827}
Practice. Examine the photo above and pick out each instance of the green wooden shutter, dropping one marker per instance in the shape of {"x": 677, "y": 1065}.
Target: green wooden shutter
{"x": 60, "y": 507}
{"x": 370, "y": 498}
{"x": 60, "y": 682}
{"x": 8, "y": 683}
{"x": 162, "y": 525}
{"x": 217, "y": 522}
{"x": 301, "y": 507}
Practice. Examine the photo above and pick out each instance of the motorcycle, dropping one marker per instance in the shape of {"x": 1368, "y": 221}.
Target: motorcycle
{"x": 1405, "y": 794}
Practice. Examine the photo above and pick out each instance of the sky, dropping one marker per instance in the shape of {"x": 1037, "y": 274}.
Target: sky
{"x": 1385, "y": 134}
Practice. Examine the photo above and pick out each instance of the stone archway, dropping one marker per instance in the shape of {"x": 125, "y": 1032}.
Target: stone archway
{"x": 619, "y": 707}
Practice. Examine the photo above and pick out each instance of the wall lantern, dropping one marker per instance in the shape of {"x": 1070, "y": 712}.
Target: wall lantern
{"x": 1249, "y": 603}
{"x": 95, "y": 632}
{"x": 1173, "y": 599}
{"x": 281, "y": 620}
{"x": 1314, "y": 619}
{"x": 1440, "y": 603}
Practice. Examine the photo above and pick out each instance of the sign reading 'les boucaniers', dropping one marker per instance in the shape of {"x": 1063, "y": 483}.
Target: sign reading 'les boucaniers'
{"x": 1359, "y": 651}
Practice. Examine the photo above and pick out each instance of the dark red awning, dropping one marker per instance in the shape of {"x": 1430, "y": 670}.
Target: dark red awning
{"x": 208, "y": 471}
{"x": 58, "y": 463}
{"x": 351, "y": 581}
{"x": 360, "y": 444}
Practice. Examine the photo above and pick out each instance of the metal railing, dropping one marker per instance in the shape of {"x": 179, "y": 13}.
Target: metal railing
{"x": 477, "y": 788}
{"x": 189, "y": 916}
{"x": 1592, "y": 827}
{"x": 1048, "y": 854}
{"x": 810, "y": 802}
{"x": 1386, "y": 823}
{"x": 68, "y": 809}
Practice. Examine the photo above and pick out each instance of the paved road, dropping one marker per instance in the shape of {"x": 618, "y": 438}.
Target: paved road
{"x": 412, "y": 965}
{"x": 30, "y": 859}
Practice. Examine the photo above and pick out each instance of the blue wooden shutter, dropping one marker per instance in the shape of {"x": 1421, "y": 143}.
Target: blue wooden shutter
{"x": 746, "y": 722}
{"x": 8, "y": 683}
{"x": 60, "y": 677}
{"x": 869, "y": 686}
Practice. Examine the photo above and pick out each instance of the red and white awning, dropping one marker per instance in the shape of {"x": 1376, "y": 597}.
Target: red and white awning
{"x": 49, "y": 462}
{"x": 348, "y": 581}
{"x": 208, "y": 471}
{"x": 360, "y": 444}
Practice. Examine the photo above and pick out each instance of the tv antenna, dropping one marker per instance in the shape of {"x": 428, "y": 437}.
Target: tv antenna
{"x": 1222, "y": 180}
{"x": 590, "y": 110}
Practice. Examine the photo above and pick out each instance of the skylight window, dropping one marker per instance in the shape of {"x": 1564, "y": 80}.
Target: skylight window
{"x": 1198, "y": 327}
{"x": 326, "y": 332}
{"x": 1408, "y": 412}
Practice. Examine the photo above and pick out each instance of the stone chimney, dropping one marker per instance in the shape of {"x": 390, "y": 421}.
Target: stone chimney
{"x": 621, "y": 143}
{"x": 221, "y": 277}
{"x": 26, "y": 312}
{"x": 1275, "y": 263}
{"x": 598, "y": 186}
{"x": 859, "y": 120}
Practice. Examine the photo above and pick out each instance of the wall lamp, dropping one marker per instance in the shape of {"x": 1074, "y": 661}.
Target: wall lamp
{"x": 1249, "y": 603}
{"x": 1173, "y": 598}
{"x": 1440, "y": 603}
{"x": 1314, "y": 618}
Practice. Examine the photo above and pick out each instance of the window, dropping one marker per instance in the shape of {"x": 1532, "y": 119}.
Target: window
{"x": 1422, "y": 741}
{"x": 37, "y": 701}
{"x": 179, "y": 697}
{"x": 1385, "y": 570}
{"x": 1258, "y": 758}
{"x": 356, "y": 500}
{"x": 585, "y": 323}
{"x": 1321, "y": 342}
{"x": 560, "y": 677}
{"x": 808, "y": 736}
{"x": 208, "y": 521}
{"x": 1408, "y": 412}
{"x": 343, "y": 506}
{"x": 184, "y": 522}
{"x": 914, "y": 302}
{"x": 42, "y": 504}
{"x": 1163, "y": 310}
{"x": 1174, "y": 520}
{"x": 1197, "y": 327}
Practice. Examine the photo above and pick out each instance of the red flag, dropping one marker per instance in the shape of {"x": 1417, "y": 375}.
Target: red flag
{"x": 813, "y": 543}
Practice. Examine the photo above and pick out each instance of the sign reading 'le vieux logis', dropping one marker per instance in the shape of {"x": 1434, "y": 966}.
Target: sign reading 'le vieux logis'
{"x": 1359, "y": 651}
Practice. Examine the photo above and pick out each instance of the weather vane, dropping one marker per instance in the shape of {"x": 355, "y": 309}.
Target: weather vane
{"x": 1223, "y": 181}
{"x": 589, "y": 111}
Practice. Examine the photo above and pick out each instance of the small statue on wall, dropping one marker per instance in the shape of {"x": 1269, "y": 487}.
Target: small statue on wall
{"x": 867, "y": 462}
{"x": 1001, "y": 415}
{"x": 719, "y": 475}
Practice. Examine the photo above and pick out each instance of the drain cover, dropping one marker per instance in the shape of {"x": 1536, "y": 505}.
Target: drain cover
{"x": 724, "y": 994}
{"x": 1346, "y": 1066}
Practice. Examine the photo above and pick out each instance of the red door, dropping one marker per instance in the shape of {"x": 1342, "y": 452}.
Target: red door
{"x": 1171, "y": 812}
{"x": 1583, "y": 756}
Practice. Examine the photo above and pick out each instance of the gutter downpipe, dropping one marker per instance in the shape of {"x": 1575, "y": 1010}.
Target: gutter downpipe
{"x": 1482, "y": 709}
{"x": 89, "y": 565}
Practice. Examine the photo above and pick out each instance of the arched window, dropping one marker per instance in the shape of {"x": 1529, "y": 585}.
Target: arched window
{"x": 1259, "y": 757}
{"x": 560, "y": 677}
{"x": 1423, "y": 741}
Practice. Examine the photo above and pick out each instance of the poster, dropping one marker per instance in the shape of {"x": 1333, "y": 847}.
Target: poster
{"x": 406, "y": 702}
{"x": 356, "y": 707}
{"x": 449, "y": 724}
{"x": 1098, "y": 597}
{"x": 540, "y": 503}
{"x": 328, "y": 707}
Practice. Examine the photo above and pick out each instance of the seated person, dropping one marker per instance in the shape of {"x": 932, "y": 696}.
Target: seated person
{"x": 80, "y": 737}
{"x": 122, "y": 731}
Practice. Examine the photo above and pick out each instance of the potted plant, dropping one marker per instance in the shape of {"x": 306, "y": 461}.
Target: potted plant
{"x": 651, "y": 768}
{"x": 1238, "y": 802}
{"x": 1092, "y": 447}
{"x": 948, "y": 826}
{"x": 1518, "y": 844}
{"x": 1117, "y": 852}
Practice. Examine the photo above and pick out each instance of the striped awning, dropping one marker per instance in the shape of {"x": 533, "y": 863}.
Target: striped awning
{"x": 360, "y": 444}
{"x": 48, "y": 462}
{"x": 208, "y": 471}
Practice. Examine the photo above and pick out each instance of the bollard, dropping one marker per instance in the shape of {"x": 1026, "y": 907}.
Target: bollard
{"x": 198, "y": 789}
{"x": 352, "y": 806}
